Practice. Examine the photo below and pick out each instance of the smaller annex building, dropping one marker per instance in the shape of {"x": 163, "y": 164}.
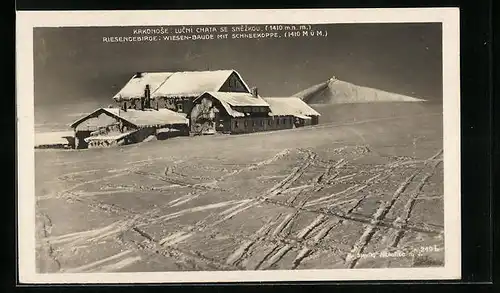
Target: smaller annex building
{"x": 232, "y": 113}
{"x": 114, "y": 126}
{"x": 302, "y": 113}
{"x": 229, "y": 112}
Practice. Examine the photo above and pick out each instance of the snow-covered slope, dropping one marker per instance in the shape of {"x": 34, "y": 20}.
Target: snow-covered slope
{"x": 336, "y": 91}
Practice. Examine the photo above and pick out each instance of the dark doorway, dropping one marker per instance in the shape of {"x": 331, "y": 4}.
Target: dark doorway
{"x": 80, "y": 142}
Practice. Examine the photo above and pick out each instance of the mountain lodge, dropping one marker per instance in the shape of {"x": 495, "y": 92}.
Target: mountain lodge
{"x": 166, "y": 104}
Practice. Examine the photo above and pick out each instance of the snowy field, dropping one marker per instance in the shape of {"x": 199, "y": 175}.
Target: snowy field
{"x": 364, "y": 189}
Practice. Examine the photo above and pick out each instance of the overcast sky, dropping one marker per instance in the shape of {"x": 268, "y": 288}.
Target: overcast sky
{"x": 73, "y": 64}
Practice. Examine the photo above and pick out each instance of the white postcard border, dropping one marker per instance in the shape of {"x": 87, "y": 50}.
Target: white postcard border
{"x": 27, "y": 20}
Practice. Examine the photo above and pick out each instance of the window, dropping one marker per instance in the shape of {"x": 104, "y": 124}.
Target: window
{"x": 261, "y": 122}
{"x": 246, "y": 123}
{"x": 253, "y": 122}
{"x": 277, "y": 122}
{"x": 284, "y": 121}
{"x": 235, "y": 124}
{"x": 179, "y": 107}
{"x": 269, "y": 122}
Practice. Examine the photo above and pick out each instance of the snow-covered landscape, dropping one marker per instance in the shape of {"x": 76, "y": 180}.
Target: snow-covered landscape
{"x": 304, "y": 153}
{"x": 347, "y": 193}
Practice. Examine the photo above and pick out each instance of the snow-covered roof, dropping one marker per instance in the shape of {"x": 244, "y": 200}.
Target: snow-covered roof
{"x": 239, "y": 99}
{"x": 192, "y": 83}
{"x": 114, "y": 136}
{"x": 166, "y": 84}
{"x": 233, "y": 99}
{"x": 140, "y": 118}
{"x": 166, "y": 130}
{"x": 136, "y": 85}
{"x": 150, "y": 117}
{"x": 281, "y": 106}
{"x": 52, "y": 138}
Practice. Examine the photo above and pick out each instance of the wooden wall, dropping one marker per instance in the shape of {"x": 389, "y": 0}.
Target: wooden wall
{"x": 314, "y": 120}
{"x": 134, "y": 137}
{"x": 257, "y": 124}
{"x": 176, "y": 104}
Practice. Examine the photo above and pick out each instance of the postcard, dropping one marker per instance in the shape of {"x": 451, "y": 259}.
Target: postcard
{"x": 238, "y": 145}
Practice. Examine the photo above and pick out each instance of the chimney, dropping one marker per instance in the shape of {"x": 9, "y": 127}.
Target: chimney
{"x": 138, "y": 74}
{"x": 255, "y": 92}
{"x": 147, "y": 94}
